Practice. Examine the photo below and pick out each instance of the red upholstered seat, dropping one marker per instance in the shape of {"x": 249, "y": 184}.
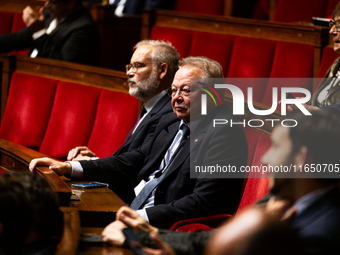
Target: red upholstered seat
{"x": 28, "y": 109}
{"x": 214, "y": 46}
{"x": 18, "y": 23}
{"x": 251, "y": 58}
{"x": 6, "y": 22}
{"x": 330, "y": 7}
{"x": 256, "y": 188}
{"x": 252, "y": 136}
{"x": 116, "y": 115}
{"x": 200, "y": 6}
{"x": 71, "y": 120}
{"x": 291, "y": 60}
{"x": 328, "y": 57}
{"x": 180, "y": 38}
{"x": 200, "y": 224}
{"x": 299, "y": 10}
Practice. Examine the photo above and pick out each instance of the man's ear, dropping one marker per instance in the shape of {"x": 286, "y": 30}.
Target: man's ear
{"x": 301, "y": 156}
{"x": 163, "y": 70}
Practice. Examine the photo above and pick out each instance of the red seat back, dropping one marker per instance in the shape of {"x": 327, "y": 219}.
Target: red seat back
{"x": 116, "y": 115}
{"x": 180, "y": 38}
{"x": 71, "y": 120}
{"x": 256, "y": 188}
{"x": 204, "y": 44}
{"x": 299, "y": 10}
{"x": 6, "y": 22}
{"x": 28, "y": 109}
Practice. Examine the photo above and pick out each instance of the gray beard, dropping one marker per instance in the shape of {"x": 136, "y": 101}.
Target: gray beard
{"x": 146, "y": 88}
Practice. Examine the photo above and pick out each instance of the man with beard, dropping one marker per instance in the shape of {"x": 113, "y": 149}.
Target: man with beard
{"x": 151, "y": 71}
{"x": 159, "y": 172}
{"x": 310, "y": 198}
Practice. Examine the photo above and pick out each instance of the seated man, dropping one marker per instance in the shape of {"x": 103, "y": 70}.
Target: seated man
{"x": 313, "y": 203}
{"x": 62, "y": 30}
{"x": 163, "y": 191}
{"x": 152, "y": 69}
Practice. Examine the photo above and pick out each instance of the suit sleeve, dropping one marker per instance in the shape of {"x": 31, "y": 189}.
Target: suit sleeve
{"x": 205, "y": 196}
{"x": 16, "y": 41}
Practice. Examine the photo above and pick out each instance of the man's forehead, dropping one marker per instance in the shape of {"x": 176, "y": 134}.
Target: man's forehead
{"x": 184, "y": 74}
{"x": 142, "y": 53}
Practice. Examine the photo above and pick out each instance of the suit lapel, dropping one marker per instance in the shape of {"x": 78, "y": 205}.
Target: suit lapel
{"x": 159, "y": 105}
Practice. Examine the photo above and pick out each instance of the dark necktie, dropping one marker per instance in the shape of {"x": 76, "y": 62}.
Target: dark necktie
{"x": 151, "y": 185}
{"x": 116, "y": 2}
{"x": 140, "y": 116}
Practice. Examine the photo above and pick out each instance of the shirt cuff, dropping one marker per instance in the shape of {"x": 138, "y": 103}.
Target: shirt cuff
{"x": 77, "y": 169}
{"x": 142, "y": 213}
{"x": 39, "y": 33}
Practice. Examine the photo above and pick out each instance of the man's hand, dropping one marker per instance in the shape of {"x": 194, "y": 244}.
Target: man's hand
{"x": 113, "y": 234}
{"x": 35, "y": 21}
{"x": 280, "y": 208}
{"x": 132, "y": 219}
{"x": 163, "y": 247}
{"x": 61, "y": 168}
{"x": 80, "y": 153}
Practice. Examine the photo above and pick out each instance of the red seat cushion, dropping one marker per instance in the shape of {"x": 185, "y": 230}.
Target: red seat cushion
{"x": 204, "y": 44}
{"x": 71, "y": 120}
{"x": 199, "y": 224}
{"x": 28, "y": 109}
{"x": 180, "y": 38}
{"x": 116, "y": 114}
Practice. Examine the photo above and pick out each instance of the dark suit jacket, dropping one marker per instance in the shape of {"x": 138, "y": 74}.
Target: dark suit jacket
{"x": 137, "y": 6}
{"x": 75, "y": 39}
{"x": 178, "y": 196}
{"x": 318, "y": 230}
{"x": 147, "y": 127}
{"x": 318, "y": 226}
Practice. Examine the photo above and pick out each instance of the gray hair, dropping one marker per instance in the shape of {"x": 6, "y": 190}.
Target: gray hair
{"x": 163, "y": 52}
{"x": 211, "y": 68}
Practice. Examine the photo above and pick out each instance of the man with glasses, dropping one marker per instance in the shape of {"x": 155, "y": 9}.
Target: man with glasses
{"x": 151, "y": 71}
{"x": 163, "y": 190}
{"x": 62, "y": 30}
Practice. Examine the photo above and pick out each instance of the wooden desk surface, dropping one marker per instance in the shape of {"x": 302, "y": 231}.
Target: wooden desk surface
{"x": 97, "y": 207}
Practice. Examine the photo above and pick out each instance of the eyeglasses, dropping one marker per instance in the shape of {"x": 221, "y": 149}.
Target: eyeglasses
{"x": 134, "y": 66}
{"x": 173, "y": 92}
{"x": 336, "y": 24}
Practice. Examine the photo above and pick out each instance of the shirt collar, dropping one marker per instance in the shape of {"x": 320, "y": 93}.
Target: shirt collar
{"x": 153, "y": 101}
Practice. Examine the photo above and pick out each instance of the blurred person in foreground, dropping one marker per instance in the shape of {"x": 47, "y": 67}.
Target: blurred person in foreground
{"x": 311, "y": 201}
